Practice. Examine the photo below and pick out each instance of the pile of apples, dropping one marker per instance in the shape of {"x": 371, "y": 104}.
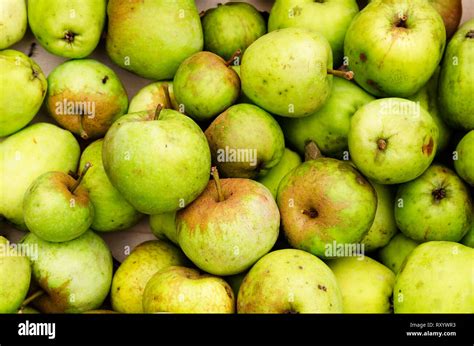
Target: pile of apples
{"x": 377, "y": 101}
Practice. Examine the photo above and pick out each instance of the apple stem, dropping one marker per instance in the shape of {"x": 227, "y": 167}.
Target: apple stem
{"x": 31, "y": 298}
{"x": 215, "y": 175}
{"x": 166, "y": 91}
{"x": 349, "y": 75}
{"x": 311, "y": 151}
{"x": 237, "y": 53}
{"x": 157, "y": 111}
{"x": 81, "y": 176}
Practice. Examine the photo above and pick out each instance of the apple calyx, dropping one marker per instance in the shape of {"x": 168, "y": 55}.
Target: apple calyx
{"x": 311, "y": 212}
{"x": 69, "y": 36}
{"x": 237, "y": 54}
{"x": 382, "y": 144}
{"x": 438, "y": 194}
{"x": 311, "y": 151}
{"x": 81, "y": 176}
{"x": 215, "y": 176}
{"x": 401, "y": 21}
{"x": 470, "y": 34}
{"x": 28, "y": 300}
{"x": 349, "y": 75}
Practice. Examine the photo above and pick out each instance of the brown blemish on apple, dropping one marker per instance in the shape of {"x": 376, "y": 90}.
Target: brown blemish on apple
{"x": 374, "y": 84}
{"x": 363, "y": 57}
{"x": 105, "y": 79}
{"x": 427, "y": 149}
{"x": 322, "y": 288}
{"x": 56, "y": 300}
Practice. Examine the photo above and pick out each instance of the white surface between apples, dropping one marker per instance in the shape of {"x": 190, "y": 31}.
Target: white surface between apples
{"x": 122, "y": 242}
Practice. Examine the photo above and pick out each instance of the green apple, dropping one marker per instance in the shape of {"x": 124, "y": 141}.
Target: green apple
{"x": 435, "y": 206}
{"x": 163, "y": 226}
{"x": 133, "y": 274}
{"x": 27, "y": 154}
{"x": 427, "y": 96}
{"x": 184, "y": 290}
{"x": 384, "y": 226}
{"x": 285, "y": 72}
{"x": 325, "y": 201}
{"x": 468, "y": 239}
{"x": 15, "y": 275}
{"x": 85, "y": 97}
{"x": 245, "y": 142}
{"x": 230, "y": 27}
{"x": 204, "y": 85}
{"x": 329, "y": 126}
{"x": 22, "y": 90}
{"x": 70, "y": 29}
{"x": 222, "y": 230}
{"x": 144, "y": 157}
{"x": 392, "y": 140}
{"x": 396, "y": 251}
{"x": 394, "y": 46}
{"x": 56, "y": 208}
{"x": 436, "y": 278}
{"x": 111, "y": 211}
{"x": 456, "y": 82}
{"x": 274, "y": 176}
{"x": 366, "y": 285}
{"x": 289, "y": 281}
{"x": 464, "y": 163}
{"x": 76, "y": 275}
{"x": 331, "y": 18}
{"x": 154, "y": 94}
{"x": 451, "y": 12}
{"x": 242, "y": 97}
{"x": 13, "y": 22}
{"x": 136, "y": 43}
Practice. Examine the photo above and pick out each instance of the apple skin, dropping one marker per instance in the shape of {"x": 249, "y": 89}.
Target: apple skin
{"x": 111, "y": 211}
{"x": 329, "y": 126}
{"x": 205, "y": 86}
{"x": 242, "y": 97}
{"x": 289, "y": 281}
{"x": 428, "y": 98}
{"x": 456, "y": 82}
{"x": 451, "y": 12}
{"x": 435, "y": 206}
{"x": 15, "y": 275}
{"x": 22, "y": 90}
{"x": 131, "y": 277}
{"x": 391, "y": 60}
{"x": 468, "y": 239}
{"x": 392, "y": 140}
{"x": 163, "y": 226}
{"x": 272, "y": 179}
{"x": 53, "y": 211}
{"x": 150, "y": 96}
{"x": 396, "y": 251}
{"x": 85, "y": 80}
{"x": 158, "y": 153}
{"x": 13, "y": 22}
{"x": 26, "y": 155}
{"x": 331, "y": 18}
{"x": 137, "y": 44}
{"x": 285, "y": 72}
{"x": 436, "y": 278}
{"x": 464, "y": 165}
{"x": 366, "y": 285}
{"x": 384, "y": 226}
{"x": 227, "y": 237}
{"x": 343, "y": 201}
{"x": 248, "y": 127}
{"x": 184, "y": 290}
{"x": 71, "y": 291}
{"x": 231, "y": 26}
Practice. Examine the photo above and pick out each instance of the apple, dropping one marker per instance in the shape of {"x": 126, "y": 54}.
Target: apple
{"x": 161, "y": 151}
{"x": 331, "y": 18}
{"x": 184, "y": 290}
{"x": 222, "y": 230}
{"x": 366, "y": 285}
{"x": 289, "y": 281}
{"x": 324, "y": 201}
{"x": 131, "y": 277}
{"x": 464, "y": 162}
{"x": 436, "y": 278}
{"x": 152, "y": 95}
{"x": 394, "y": 47}
{"x": 163, "y": 226}
{"x": 435, "y": 206}
{"x": 451, "y": 12}
{"x": 329, "y": 126}
{"x": 13, "y": 22}
{"x": 392, "y": 140}
{"x": 245, "y": 142}
{"x": 468, "y": 239}
{"x": 396, "y": 251}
